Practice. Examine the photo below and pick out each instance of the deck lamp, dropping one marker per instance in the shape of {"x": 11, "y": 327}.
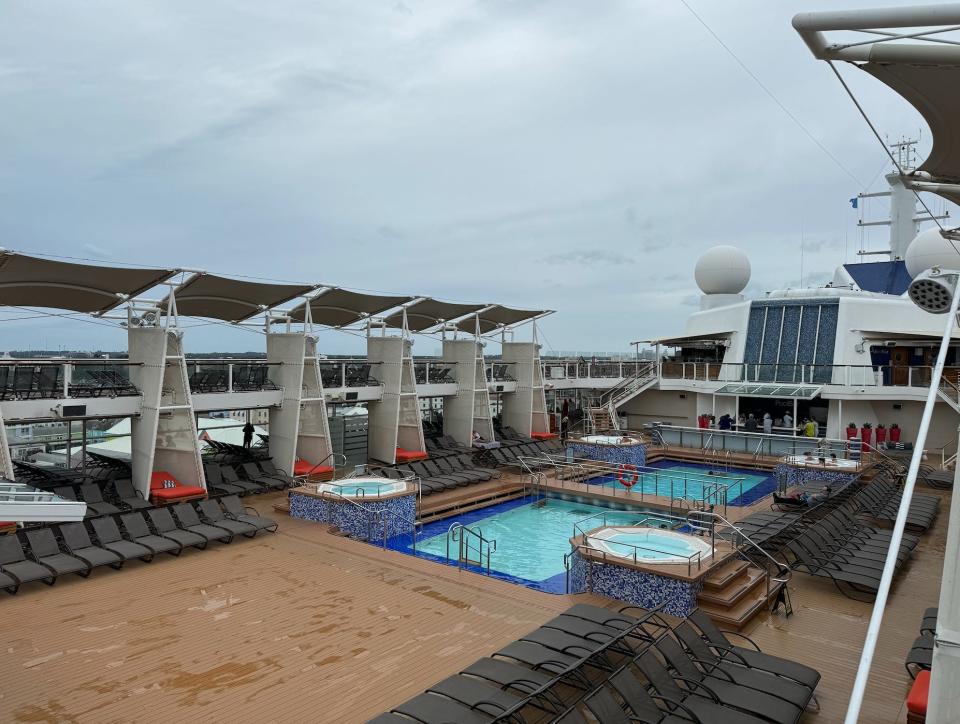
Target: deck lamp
{"x": 933, "y": 289}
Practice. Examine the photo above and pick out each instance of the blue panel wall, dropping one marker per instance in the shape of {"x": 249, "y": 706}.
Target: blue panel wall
{"x": 751, "y": 352}
{"x": 787, "y": 371}
{"x": 809, "y": 329}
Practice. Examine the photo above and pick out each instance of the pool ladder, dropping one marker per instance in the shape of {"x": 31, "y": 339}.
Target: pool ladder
{"x": 470, "y": 540}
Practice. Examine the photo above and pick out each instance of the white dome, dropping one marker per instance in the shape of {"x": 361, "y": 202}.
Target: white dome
{"x": 722, "y": 270}
{"x": 929, "y": 249}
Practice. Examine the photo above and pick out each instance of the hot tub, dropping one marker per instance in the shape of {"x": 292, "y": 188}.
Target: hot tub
{"x": 649, "y": 546}
{"x": 610, "y": 440}
{"x": 365, "y": 487}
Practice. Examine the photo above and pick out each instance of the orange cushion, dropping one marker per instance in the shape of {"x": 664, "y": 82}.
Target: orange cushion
{"x": 302, "y": 467}
{"x": 917, "y": 698}
{"x": 180, "y": 491}
{"x": 543, "y": 435}
{"x": 406, "y": 456}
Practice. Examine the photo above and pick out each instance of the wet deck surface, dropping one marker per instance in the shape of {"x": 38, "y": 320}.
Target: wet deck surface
{"x": 306, "y": 626}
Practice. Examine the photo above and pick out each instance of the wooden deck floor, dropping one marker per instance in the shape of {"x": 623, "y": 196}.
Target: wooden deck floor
{"x": 306, "y": 626}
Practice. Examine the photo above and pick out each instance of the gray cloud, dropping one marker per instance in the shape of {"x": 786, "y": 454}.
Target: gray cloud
{"x": 534, "y": 154}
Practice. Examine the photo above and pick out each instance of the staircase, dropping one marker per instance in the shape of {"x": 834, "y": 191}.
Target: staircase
{"x": 735, "y": 593}
{"x": 949, "y": 392}
{"x": 603, "y": 415}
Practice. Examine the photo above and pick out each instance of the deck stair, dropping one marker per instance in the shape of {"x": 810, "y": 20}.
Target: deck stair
{"x": 438, "y": 506}
{"x": 734, "y": 593}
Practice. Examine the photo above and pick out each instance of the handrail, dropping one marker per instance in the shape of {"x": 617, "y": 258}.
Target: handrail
{"x": 464, "y": 546}
{"x": 332, "y": 455}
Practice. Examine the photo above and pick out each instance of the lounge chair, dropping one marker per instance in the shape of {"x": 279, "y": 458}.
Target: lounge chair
{"x": 245, "y": 514}
{"x": 606, "y": 710}
{"x": 920, "y": 656}
{"x": 476, "y": 694}
{"x": 16, "y": 567}
{"x": 45, "y": 550}
{"x": 128, "y": 496}
{"x": 190, "y": 521}
{"x": 752, "y": 656}
{"x": 929, "y": 622}
{"x": 77, "y": 540}
{"x": 93, "y": 497}
{"x": 256, "y": 475}
{"x": 213, "y": 514}
{"x": 704, "y": 703}
{"x": 752, "y": 678}
{"x": 109, "y": 537}
{"x": 166, "y": 526}
{"x": 436, "y": 709}
{"x": 215, "y": 480}
{"x": 139, "y": 532}
{"x": 229, "y": 476}
{"x": 271, "y": 470}
{"x": 722, "y": 686}
{"x": 643, "y": 704}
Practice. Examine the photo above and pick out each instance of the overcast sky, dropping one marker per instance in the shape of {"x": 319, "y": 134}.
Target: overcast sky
{"x": 561, "y": 154}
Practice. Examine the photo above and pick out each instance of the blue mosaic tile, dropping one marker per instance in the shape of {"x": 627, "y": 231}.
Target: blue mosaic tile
{"x": 628, "y": 455}
{"x": 638, "y": 588}
{"x": 354, "y": 520}
{"x": 789, "y": 475}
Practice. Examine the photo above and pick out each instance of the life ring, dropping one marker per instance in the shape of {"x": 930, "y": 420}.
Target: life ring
{"x": 627, "y": 475}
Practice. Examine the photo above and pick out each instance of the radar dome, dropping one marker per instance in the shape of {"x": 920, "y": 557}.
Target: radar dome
{"x": 722, "y": 270}
{"x": 929, "y": 249}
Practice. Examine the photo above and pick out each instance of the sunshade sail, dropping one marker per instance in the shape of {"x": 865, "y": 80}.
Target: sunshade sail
{"x": 27, "y": 281}
{"x": 498, "y": 316}
{"x": 336, "y": 307}
{"x": 232, "y": 300}
{"x": 427, "y": 313}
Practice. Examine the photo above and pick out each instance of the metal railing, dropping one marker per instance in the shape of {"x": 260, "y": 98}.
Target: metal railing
{"x": 463, "y": 536}
{"x": 755, "y": 444}
{"x": 715, "y": 490}
{"x": 24, "y": 379}
{"x": 208, "y": 376}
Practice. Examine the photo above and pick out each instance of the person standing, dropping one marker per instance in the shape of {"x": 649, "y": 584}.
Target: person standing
{"x": 767, "y": 423}
{"x": 808, "y": 428}
{"x": 247, "y": 434}
{"x": 751, "y": 424}
{"x": 788, "y": 422}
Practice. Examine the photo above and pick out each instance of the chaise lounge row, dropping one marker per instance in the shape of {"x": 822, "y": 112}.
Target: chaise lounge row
{"x": 46, "y": 553}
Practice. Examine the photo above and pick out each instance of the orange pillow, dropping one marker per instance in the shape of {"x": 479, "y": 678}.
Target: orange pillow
{"x": 917, "y": 698}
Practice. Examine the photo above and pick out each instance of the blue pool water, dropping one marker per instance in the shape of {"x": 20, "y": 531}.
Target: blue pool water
{"x": 531, "y": 540}
{"x": 688, "y": 481}
{"x": 649, "y": 546}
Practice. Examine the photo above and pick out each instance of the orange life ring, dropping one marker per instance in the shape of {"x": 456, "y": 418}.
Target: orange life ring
{"x": 627, "y": 475}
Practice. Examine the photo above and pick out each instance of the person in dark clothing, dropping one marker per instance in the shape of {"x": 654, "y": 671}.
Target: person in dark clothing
{"x": 247, "y": 434}
{"x": 751, "y": 425}
{"x": 726, "y": 422}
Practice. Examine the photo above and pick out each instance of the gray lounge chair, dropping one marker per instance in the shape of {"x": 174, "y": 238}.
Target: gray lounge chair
{"x": 93, "y": 497}
{"x": 128, "y": 496}
{"x": 723, "y": 687}
{"x": 14, "y": 563}
{"x": 705, "y": 705}
{"x": 139, "y": 532}
{"x": 109, "y": 537}
{"x": 929, "y": 623}
{"x": 476, "y": 694}
{"x": 189, "y": 520}
{"x": 256, "y": 475}
{"x": 166, "y": 526}
{"x": 752, "y": 657}
{"x": 214, "y": 515}
{"x": 920, "y": 656}
{"x": 230, "y": 477}
{"x": 215, "y": 480}
{"x": 643, "y": 704}
{"x": 247, "y": 514}
{"x": 752, "y": 678}
{"x": 436, "y": 709}
{"x": 77, "y": 540}
{"x": 271, "y": 470}
{"x": 606, "y": 710}
{"x": 45, "y": 550}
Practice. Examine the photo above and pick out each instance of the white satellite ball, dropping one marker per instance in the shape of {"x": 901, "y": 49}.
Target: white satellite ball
{"x": 929, "y": 249}
{"x": 722, "y": 270}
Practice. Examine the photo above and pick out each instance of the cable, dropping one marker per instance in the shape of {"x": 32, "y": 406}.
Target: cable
{"x": 770, "y": 93}
{"x": 889, "y": 153}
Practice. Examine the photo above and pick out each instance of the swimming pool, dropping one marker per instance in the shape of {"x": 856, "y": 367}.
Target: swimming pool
{"x": 532, "y": 539}
{"x": 367, "y": 487}
{"x": 688, "y": 482}
{"x": 651, "y": 546}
